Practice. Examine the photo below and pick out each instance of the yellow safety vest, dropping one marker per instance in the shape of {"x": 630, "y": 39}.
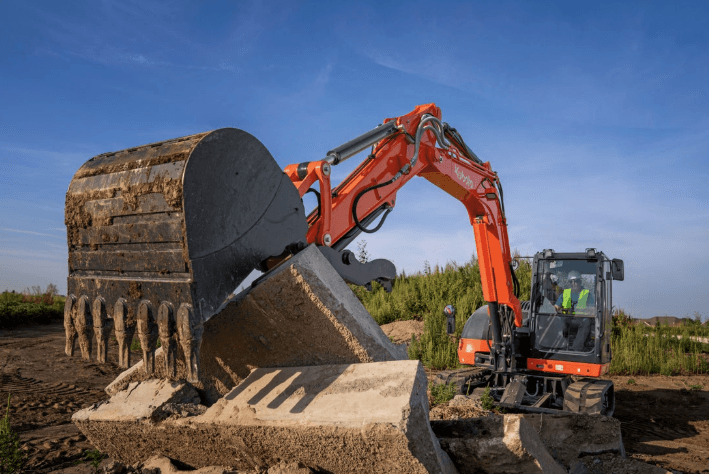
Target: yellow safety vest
{"x": 580, "y": 304}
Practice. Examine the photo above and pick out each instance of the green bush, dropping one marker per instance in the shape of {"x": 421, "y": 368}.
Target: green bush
{"x": 636, "y": 349}
{"x": 21, "y": 309}
{"x": 442, "y": 393}
{"x": 488, "y": 403}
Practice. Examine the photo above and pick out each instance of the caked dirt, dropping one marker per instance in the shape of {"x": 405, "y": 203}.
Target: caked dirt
{"x": 664, "y": 420}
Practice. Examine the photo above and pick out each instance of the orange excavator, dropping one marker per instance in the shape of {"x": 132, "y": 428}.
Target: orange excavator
{"x": 160, "y": 235}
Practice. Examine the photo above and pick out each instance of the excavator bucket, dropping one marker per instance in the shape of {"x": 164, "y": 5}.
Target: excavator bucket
{"x": 160, "y": 235}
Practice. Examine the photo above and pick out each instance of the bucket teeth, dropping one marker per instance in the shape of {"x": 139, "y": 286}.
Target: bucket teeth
{"x": 179, "y": 332}
{"x": 124, "y": 332}
{"x": 102, "y": 329}
{"x": 69, "y": 329}
{"x": 189, "y": 331}
{"x": 166, "y": 331}
{"x": 84, "y": 326}
{"x": 181, "y": 329}
{"x": 147, "y": 335}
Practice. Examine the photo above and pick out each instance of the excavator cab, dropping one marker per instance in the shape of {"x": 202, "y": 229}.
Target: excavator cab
{"x": 570, "y": 312}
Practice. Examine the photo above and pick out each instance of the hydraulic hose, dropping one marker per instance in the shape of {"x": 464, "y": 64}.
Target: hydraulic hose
{"x": 437, "y": 130}
{"x": 453, "y": 133}
{"x": 502, "y": 196}
{"x": 317, "y": 195}
{"x": 515, "y": 282}
{"x": 356, "y": 200}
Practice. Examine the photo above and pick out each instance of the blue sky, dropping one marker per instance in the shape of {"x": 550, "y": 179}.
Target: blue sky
{"x": 594, "y": 115}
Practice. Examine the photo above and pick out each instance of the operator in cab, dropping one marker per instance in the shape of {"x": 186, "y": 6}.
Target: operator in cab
{"x": 577, "y": 298}
{"x": 580, "y": 302}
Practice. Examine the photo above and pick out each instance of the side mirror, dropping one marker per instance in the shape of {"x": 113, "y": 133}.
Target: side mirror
{"x": 515, "y": 264}
{"x": 449, "y": 311}
{"x": 617, "y": 270}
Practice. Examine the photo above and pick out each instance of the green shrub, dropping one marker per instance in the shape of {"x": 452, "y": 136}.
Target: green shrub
{"x": 442, "y": 393}
{"x": 488, "y": 403}
{"x": 22, "y": 309}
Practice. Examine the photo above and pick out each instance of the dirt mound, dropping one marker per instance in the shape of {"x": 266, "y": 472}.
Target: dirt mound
{"x": 460, "y": 407}
{"x": 400, "y": 331}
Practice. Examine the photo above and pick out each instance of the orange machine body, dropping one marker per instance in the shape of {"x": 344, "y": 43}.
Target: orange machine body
{"x": 467, "y": 348}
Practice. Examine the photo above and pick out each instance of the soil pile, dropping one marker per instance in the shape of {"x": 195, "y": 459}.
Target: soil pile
{"x": 400, "y": 331}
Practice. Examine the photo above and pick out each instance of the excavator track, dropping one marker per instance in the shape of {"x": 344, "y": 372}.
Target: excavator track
{"x": 160, "y": 235}
{"x": 590, "y": 396}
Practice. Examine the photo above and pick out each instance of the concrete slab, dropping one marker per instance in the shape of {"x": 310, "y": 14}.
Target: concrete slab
{"x": 299, "y": 314}
{"x": 569, "y": 437}
{"x": 348, "y": 418}
{"x": 495, "y": 444}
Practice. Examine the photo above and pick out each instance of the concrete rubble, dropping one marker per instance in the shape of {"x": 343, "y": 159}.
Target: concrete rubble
{"x": 299, "y": 314}
{"x": 570, "y": 437}
{"x": 341, "y": 418}
{"x": 495, "y": 444}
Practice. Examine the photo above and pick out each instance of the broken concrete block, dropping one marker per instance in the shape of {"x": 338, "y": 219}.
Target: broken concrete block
{"x": 299, "y": 314}
{"x": 498, "y": 444}
{"x": 140, "y": 401}
{"x": 347, "y": 418}
{"x": 570, "y": 436}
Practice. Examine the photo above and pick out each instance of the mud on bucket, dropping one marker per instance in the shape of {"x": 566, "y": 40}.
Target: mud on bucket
{"x": 160, "y": 235}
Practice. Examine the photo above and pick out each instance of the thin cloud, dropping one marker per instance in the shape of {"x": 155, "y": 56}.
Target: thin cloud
{"x": 7, "y": 229}
{"x": 37, "y": 256}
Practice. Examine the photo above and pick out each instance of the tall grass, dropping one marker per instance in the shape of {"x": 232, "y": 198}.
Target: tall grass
{"x": 422, "y": 296}
{"x": 640, "y": 350}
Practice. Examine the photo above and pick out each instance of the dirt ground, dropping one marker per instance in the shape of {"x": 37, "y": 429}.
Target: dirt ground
{"x": 665, "y": 420}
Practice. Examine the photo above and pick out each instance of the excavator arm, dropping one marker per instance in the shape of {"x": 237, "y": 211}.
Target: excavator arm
{"x": 415, "y": 144}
